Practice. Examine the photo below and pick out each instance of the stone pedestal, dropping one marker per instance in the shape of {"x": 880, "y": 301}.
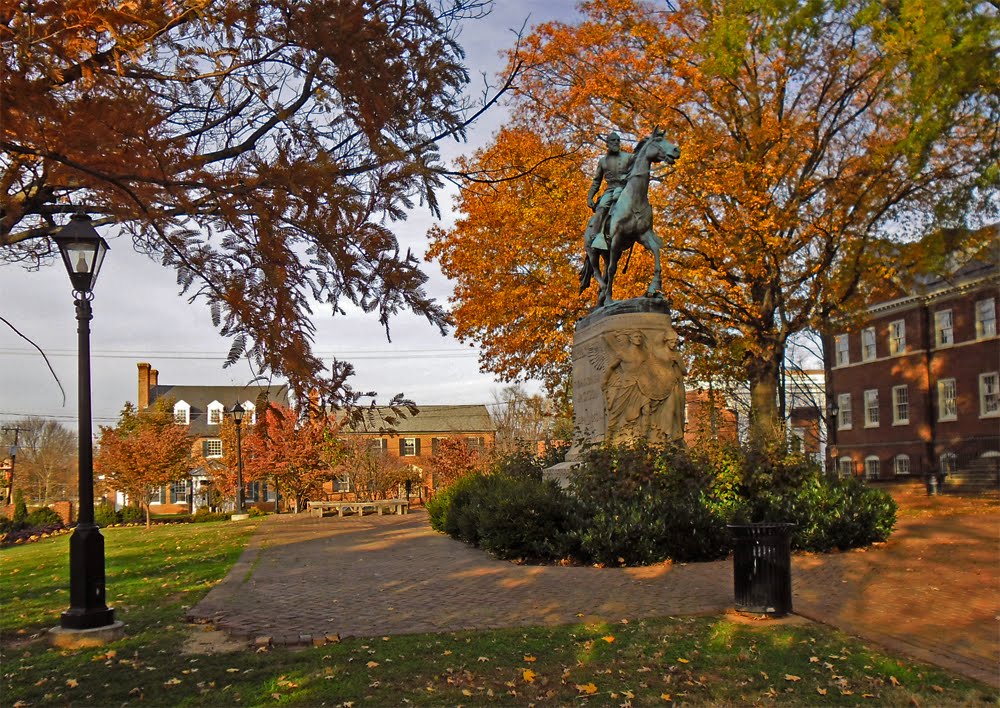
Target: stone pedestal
{"x": 628, "y": 379}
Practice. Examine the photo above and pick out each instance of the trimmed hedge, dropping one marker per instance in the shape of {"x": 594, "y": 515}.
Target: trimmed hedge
{"x": 641, "y": 504}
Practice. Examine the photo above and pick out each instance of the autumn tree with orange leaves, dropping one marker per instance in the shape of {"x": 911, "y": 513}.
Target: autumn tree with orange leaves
{"x": 260, "y": 148}
{"x": 815, "y": 137}
{"x": 299, "y": 453}
{"x": 144, "y": 451}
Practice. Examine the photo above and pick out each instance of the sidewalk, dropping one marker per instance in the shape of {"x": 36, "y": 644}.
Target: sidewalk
{"x": 932, "y": 592}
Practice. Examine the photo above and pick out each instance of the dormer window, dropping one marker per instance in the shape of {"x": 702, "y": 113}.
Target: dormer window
{"x": 250, "y": 412}
{"x": 215, "y": 412}
{"x": 182, "y": 413}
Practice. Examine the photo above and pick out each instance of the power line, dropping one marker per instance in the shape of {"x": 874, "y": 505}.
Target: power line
{"x": 207, "y": 356}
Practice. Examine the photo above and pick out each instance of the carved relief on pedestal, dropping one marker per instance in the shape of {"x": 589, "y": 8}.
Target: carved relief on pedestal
{"x": 642, "y": 382}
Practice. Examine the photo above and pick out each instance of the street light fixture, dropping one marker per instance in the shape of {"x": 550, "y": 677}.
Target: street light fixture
{"x": 237, "y": 412}
{"x": 82, "y": 250}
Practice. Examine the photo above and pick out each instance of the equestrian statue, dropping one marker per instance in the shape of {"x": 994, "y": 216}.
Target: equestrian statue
{"x": 622, "y": 216}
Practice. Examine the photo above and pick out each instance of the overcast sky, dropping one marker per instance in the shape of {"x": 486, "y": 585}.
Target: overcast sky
{"x": 139, "y": 316}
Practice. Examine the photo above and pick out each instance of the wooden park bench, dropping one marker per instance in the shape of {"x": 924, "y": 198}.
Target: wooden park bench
{"x": 359, "y": 507}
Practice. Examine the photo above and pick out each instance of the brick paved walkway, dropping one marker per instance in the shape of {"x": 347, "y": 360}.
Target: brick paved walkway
{"x": 932, "y": 592}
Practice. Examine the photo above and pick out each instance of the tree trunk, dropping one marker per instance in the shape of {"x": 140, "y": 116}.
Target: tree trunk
{"x": 149, "y": 519}
{"x": 765, "y": 423}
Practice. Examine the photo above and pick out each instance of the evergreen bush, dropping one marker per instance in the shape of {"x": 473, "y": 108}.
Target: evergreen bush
{"x": 105, "y": 515}
{"x": 132, "y": 515}
{"x": 44, "y": 516}
{"x": 204, "y": 514}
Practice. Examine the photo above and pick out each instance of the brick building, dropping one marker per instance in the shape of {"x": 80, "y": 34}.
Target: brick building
{"x": 415, "y": 438}
{"x": 913, "y": 386}
{"x": 201, "y": 409}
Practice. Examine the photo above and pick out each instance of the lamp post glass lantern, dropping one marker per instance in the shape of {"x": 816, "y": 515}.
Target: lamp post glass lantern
{"x": 237, "y": 413}
{"x": 82, "y": 250}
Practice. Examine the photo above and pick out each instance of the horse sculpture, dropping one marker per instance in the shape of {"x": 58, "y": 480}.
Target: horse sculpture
{"x": 630, "y": 221}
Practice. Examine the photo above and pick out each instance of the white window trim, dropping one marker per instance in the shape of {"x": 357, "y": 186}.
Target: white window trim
{"x": 941, "y": 399}
{"x": 980, "y": 329}
{"x": 213, "y": 440}
{"x": 407, "y": 442}
{"x": 173, "y": 496}
{"x": 982, "y": 395}
{"x": 215, "y": 406}
{"x": 185, "y": 408}
{"x": 869, "y": 421}
{"x": 895, "y": 349}
{"x": 156, "y": 497}
{"x": 952, "y": 465}
{"x": 895, "y": 465}
{"x": 837, "y": 350}
{"x": 847, "y": 462}
{"x": 939, "y": 330}
{"x": 249, "y": 412}
{"x": 868, "y": 333}
{"x": 841, "y": 425}
{"x": 895, "y": 405}
{"x": 878, "y": 467}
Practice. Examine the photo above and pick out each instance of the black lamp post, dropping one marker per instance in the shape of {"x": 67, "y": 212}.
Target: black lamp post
{"x": 237, "y": 412}
{"x": 82, "y": 250}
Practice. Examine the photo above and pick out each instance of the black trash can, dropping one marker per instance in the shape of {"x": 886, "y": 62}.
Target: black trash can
{"x": 762, "y": 568}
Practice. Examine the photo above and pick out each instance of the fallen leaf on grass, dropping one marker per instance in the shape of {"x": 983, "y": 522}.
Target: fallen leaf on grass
{"x": 609, "y": 639}
{"x": 276, "y": 696}
{"x": 937, "y": 688}
{"x": 683, "y": 661}
{"x": 894, "y": 681}
{"x": 482, "y": 659}
{"x": 821, "y": 691}
{"x": 666, "y": 696}
{"x": 587, "y": 688}
{"x": 466, "y": 692}
{"x": 171, "y": 682}
{"x": 792, "y": 677}
{"x": 813, "y": 659}
{"x": 372, "y": 664}
{"x": 232, "y": 671}
{"x": 447, "y": 652}
{"x": 529, "y": 675}
{"x": 529, "y": 658}
{"x": 72, "y": 683}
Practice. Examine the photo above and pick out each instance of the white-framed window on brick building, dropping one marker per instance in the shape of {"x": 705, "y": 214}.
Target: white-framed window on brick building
{"x": 844, "y": 411}
{"x": 872, "y": 465}
{"x": 900, "y": 405}
{"x": 249, "y": 412}
{"x": 897, "y": 336}
{"x": 947, "y": 399}
{"x": 868, "y": 344}
{"x": 379, "y": 445}
{"x": 156, "y": 495}
{"x": 842, "y": 352}
{"x": 342, "y": 483}
{"x": 901, "y": 465}
{"x": 989, "y": 395}
{"x": 182, "y": 413}
{"x": 211, "y": 447}
{"x": 986, "y": 318}
{"x": 409, "y": 447}
{"x": 476, "y": 444}
{"x": 948, "y": 463}
{"x": 179, "y": 492}
{"x": 845, "y": 466}
{"x": 871, "y": 408}
{"x": 944, "y": 335}
{"x": 215, "y": 412}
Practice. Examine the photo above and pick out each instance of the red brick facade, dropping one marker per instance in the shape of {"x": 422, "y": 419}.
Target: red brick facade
{"x": 930, "y": 405}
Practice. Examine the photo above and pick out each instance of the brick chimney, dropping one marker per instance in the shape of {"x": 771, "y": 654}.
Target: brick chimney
{"x": 143, "y": 402}
{"x": 154, "y": 377}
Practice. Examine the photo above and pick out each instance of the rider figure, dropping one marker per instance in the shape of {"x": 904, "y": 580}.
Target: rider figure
{"x": 613, "y": 169}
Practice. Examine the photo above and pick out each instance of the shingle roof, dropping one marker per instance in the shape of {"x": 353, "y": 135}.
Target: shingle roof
{"x": 430, "y": 419}
{"x": 200, "y": 397}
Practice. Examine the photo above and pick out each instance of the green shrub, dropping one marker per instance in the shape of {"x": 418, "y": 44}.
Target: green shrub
{"x": 20, "y": 507}
{"x": 132, "y": 515}
{"x": 106, "y": 515}
{"x": 438, "y": 507}
{"x": 7, "y": 525}
{"x": 255, "y": 511}
{"x": 204, "y": 514}
{"x": 44, "y": 517}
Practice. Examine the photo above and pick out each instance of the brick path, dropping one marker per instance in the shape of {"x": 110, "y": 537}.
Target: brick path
{"x": 932, "y": 592}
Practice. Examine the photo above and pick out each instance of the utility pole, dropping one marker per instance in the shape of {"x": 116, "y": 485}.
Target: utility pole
{"x": 13, "y": 458}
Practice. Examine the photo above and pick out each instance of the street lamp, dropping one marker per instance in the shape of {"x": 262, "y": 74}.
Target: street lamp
{"x": 237, "y": 412}
{"x": 82, "y": 250}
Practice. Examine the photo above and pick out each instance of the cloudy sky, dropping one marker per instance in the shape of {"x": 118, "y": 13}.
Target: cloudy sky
{"x": 139, "y": 316}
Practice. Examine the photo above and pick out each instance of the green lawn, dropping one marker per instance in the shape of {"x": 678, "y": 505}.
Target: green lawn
{"x": 154, "y": 575}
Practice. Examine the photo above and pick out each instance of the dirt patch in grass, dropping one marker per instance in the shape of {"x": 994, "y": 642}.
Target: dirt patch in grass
{"x": 206, "y": 639}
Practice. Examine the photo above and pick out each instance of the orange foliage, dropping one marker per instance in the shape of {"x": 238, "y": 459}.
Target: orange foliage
{"x": 807, "y": 137}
